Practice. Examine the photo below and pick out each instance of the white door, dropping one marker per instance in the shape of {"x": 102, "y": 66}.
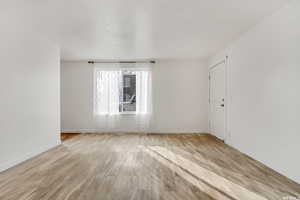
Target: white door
{"x": 217, "y": 100}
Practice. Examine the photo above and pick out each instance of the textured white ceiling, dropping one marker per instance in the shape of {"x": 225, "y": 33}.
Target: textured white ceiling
{"x": 127, "y": 29}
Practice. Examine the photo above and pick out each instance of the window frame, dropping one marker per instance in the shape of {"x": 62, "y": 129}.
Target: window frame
{"x": 128, "y": 113}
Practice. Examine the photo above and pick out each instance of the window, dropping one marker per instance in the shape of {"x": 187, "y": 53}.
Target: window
{"x": 122, "y": 91}
{"x": 128, "y": 92}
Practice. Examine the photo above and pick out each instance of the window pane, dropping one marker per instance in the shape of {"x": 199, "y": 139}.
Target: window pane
{"x": 128, "y": 97}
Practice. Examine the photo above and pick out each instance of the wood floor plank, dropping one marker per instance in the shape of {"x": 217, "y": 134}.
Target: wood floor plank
{"x": 143, "y": 166}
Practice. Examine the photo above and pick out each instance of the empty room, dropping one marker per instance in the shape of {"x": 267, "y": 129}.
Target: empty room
{"x": 149, "y": 100}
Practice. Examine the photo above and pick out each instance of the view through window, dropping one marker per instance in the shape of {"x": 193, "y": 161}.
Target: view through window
{"x": 128, "y": 92}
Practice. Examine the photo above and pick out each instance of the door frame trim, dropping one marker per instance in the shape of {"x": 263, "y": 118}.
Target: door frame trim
{"x": 212, "y": 67}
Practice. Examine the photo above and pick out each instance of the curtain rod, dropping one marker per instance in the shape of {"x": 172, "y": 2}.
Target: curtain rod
{"x": 123, "y": 62}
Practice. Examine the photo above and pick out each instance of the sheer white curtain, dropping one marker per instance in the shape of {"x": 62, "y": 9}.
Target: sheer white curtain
{"x": 143, "y": 99}
{"x": 108, "y": 91}
{"x": 106, "y": 98}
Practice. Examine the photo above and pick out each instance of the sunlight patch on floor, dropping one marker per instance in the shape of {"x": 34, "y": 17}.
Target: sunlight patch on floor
{"x": 214, "y": 185}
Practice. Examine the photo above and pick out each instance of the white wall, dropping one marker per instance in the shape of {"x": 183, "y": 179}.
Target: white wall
{"x": 264, "y": 91}
{"x": 179, "y": 97}
{"x": 29, "y": 88}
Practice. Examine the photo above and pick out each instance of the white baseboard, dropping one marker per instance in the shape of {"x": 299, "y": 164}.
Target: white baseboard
{"x": 26, "y": 156}
{"x": 80, "y": 131}
{"x": 128, "y": 131}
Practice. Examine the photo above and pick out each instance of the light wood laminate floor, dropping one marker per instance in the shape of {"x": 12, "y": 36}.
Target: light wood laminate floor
{"x": 143, "y": 167}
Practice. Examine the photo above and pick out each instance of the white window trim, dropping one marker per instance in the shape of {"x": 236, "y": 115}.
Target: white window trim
{"x": 128, "y": 113}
